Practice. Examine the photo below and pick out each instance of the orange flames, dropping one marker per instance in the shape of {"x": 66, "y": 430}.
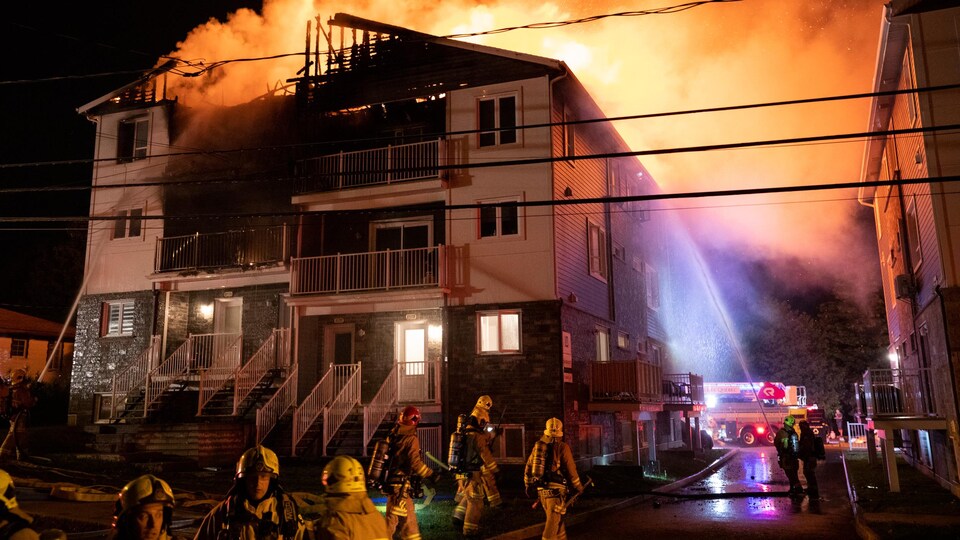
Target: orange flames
{"x": 712, "y": 55}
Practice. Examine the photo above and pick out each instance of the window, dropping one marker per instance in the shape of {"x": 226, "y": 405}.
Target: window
{"x": 499, "y": 332}
{"x": 509, "y": 447}
{"x": 569, "y": 136}
{"x": 132, "y": 139}
{"x": 597, "y": 245}
{"x": 590, "y": 440}
{"x": 908, "y": 83}
{"x": 623, "y": 340}
{"x": 497, "y": 120}
{"x": 499, "y": 218}
{"x": 117, "y": 318}
{"x": 913, "y": 233}
{"x": 18, "y": 347}
{"x": 652, "y": 282}
{"x": 129, "y": 224}
{"x": 603, "y": 344}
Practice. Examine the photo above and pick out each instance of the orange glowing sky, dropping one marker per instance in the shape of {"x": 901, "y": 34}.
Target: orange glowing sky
{"x": 713, "y": 55}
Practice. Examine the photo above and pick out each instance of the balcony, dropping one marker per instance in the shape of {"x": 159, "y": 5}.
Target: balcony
{"x": 633, "y": 385}
{"x": 367, "y": 168}
{"x": 370, "y": 271}
{"x": 905, "y": 398}
{"x": 683, "y": 392}
{"x": 198, "y": 252}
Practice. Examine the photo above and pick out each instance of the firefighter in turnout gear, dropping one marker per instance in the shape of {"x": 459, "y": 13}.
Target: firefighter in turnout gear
{"x": 788, "y": 446}
{"x": 256, "y": 506}
{"x": 404, "y": 474}
{"x": 144, "y": 510}
{"x": 348, "y": 513}
{"x": 14, "y": 522}
{"x": 19, "y": 399}
{"x": 550, "y": 474}
{"x": 477, "y": 478}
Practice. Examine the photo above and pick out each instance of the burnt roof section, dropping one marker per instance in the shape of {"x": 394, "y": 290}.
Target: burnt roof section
{"x": 387, "y": 63}
{"x": 141, "y": 92}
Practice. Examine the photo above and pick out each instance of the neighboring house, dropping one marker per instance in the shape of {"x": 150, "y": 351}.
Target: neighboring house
{"x": 365, "y": 255}
{"x": 916, "y": 398}
{"x": 29, "y": 343}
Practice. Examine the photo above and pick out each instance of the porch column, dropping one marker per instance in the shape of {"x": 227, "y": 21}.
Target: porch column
{"x": 890, "y": 461}
{"x": 650, "y": 428}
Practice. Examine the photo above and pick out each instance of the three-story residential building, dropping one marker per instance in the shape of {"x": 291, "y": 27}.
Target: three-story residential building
{"x": 915, "y": 211}
{"x": 421, "y": 221}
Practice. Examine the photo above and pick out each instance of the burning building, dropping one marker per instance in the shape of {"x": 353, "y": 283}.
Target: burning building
{"x": 409, "y": 220}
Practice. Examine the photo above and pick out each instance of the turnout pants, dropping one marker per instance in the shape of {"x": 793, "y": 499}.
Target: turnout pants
{"x": 402, "y": 513}
{"x": 551, "y": 499}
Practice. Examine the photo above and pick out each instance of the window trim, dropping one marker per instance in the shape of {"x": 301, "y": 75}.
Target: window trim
{"x": 602, "y": 343}
{"x": 25, "y": 344}
{"x": 130, "y": 147}
{"x": 598, "y": 264}
{"x": 500, "y": 313}
{"x": 500, "y": 445}
{"x": 122, "y": 329}
{"x": 498, "y": 130}
{"x": 499, "y": 218}
{"x": 125, "y": 221}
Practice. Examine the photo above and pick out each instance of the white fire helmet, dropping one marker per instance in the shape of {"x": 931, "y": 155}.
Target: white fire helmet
{"x": 554, "y": 428}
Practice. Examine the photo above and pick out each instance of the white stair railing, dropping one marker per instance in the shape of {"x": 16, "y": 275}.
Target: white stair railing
{"x": 340, "y": 407}
{"x": 279, "y": 403}
{"x": 133, "y": 377}
{"x": 382, "y": 403}
{"x": 267, "y": 358}
{"x": 319, "y": 398}
{"x": 211, "y": 381}
{"x": 216, "y": 351}
{"x": 174, "y": 368}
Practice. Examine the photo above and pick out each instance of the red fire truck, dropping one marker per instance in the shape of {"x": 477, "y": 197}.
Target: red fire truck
{"x": 751, "y": 413}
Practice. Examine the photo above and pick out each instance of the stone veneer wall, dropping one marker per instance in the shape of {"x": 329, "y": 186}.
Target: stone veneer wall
{"x": 528, "y": 384}
{"x": 96, "y": 360}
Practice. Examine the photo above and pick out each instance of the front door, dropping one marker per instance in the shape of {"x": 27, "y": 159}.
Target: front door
{"x": 412, "y": 369}
{"x": 227, "y": 327}
{"x": 338, "y": 344}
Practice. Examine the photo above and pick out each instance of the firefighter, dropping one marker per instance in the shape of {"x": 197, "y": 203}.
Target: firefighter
{"x": 788, "y": 444}
{"x": 256, "y": 506}
{"x": 348, "y": 513}
{"x": 404, "y": 475}
{"x": 20, "y": 400}
{"x": 477, "y": 479}
{"x": 550, "y": 474}
{"x": 14, "y": 522}
{"x": 144, "y": 510}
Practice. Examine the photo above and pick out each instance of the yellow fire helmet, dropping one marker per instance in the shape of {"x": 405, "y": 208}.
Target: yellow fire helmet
{"x": 143, "y": 490}
{"x": 257, "y": 460}
{"x": 344, "y": 474}
{"x": 8, "y": 495}
{"x": 484, "y": 402}
{"x": 17, "y": 376}
{"x": 554, "y": 428}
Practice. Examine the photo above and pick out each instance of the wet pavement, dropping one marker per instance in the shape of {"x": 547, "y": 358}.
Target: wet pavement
{"x": 744, "y": 499}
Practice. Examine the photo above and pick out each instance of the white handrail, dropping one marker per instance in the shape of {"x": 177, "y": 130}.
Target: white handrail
{"x": 172, "y": 369}
{"x": 339, "y": 409}
{"x": 134, "y": 376}
{"x": 276, "y": 406}
{"x": 319, "y": 398}
{"x": 382, "y": 403}
{"x": 267, "y": 358}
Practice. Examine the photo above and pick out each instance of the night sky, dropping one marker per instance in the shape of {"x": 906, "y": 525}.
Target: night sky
{"x": 42, "y": 266}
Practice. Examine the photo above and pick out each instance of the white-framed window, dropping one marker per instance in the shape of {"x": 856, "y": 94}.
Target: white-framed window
{"x": 652, "y": 282}
{"x": 129, "y": 224}
{"x": 508, "y": 447}
{"x": 133, "y": 138}
{"x": 499, "y": 219}
{"x": 656, "y": 355}
{"x": 117, "y": 318}
{"x": 569, "y": 135}
{"x": 603, "y": 343}
{"x": 497, "y": 120}
{"x": 623, "y": 340}
{"x": 597, "y": 250}
{"x": 591, "y": 441}
{"x": 913, "y": 233}
{"x": 18, "y": 347}
{"x": 908, "y": 83}
{"x": 498, "y": 332}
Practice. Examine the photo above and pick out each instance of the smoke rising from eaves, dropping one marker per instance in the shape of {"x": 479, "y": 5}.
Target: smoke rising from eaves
{"x": 713, "y": 55}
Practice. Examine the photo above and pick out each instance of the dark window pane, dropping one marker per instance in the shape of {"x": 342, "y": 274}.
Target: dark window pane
{"x": 487, "y": 122}
{"x": 135, "y": 222}
{"x": 488, "y": 221}
{"x": 125, "y": 135}
{"x": 120, "y": 225}
{"x": 509, "y": 220}
{"x": 508, "y": 119}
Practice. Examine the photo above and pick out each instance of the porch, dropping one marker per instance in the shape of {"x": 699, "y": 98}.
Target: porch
{"x": 243, "y": 249}
{"x": 370, "y": 271}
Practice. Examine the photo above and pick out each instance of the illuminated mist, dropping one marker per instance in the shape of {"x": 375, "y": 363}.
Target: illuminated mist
{"x": 713, "y": 55}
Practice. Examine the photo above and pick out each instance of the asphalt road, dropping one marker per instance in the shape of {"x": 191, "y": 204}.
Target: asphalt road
{"x": 742, "y": 500}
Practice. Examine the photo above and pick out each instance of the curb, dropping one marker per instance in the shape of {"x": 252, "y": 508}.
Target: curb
{"x": 535, "y": 531}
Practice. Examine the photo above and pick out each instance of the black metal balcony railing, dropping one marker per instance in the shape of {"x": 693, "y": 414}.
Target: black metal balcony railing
{"x": 683, "y": 389}
{"x": 376, "y": 270}
{"x": 904, "y": 392}
{"x": 632, "y": 381}
{"x": 377, "y": 166}
{"x": 202, "y": 251}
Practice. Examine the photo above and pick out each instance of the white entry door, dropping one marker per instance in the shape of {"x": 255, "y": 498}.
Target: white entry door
{"x": 227, "y": 325}
{"x": 412, "y": 361}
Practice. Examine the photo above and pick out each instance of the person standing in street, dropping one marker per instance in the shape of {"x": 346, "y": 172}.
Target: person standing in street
{"x": 808, "y": 455}
{"x": 838, "y": 424}
{"x": 144, "y": 510}
{"x": 256, "y": 507}
{"x": 348, "y": 513}
{"x": 478, "y": 481}
{"x": 550, "y": 473}
{"x": 405, "y": 472}
{"x": 788, "y": 444}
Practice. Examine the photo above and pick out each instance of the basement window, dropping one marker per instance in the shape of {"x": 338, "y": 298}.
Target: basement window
{"x": 509, "y": 447}
{"x": 132, "y": 139}
{"x": 497, "y": 120}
